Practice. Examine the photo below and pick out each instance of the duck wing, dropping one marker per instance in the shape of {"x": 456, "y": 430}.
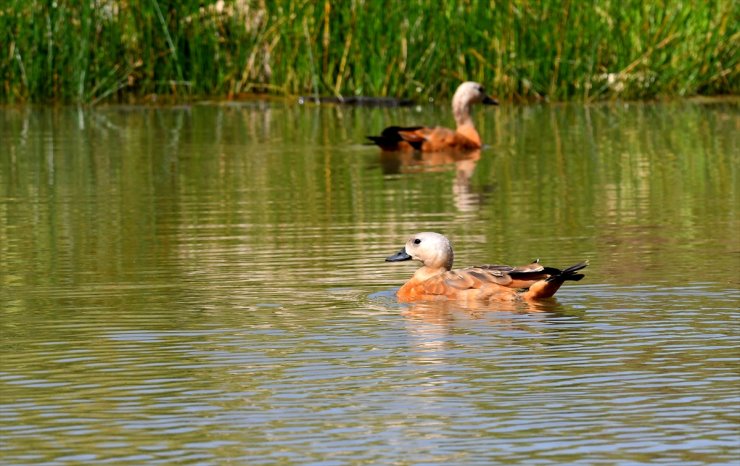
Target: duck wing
{"x": 496, "y": 282}
{"x": 391, "y": 138}
{"x": 423, "y": 138}
{"x": 469, "y": 278}
{"x": 438, "y": 138}
{"x": 524, "y": 276}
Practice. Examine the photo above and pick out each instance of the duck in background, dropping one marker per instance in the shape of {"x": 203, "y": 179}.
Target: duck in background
{"x": 432, "y": 139}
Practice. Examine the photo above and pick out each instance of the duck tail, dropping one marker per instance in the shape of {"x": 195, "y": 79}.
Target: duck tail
{"x": 548, "y": 287}
{"x": 569, "y": 273}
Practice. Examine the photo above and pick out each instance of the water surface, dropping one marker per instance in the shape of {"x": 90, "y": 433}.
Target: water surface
{"x": 205, "y": 285}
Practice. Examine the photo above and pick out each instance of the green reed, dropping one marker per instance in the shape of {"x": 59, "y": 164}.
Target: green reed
{"x": 89, "y": 50}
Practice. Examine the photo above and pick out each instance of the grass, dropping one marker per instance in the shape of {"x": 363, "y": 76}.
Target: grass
{"x": 86, "y": 51}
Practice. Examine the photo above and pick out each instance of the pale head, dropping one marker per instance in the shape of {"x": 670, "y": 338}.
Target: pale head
{"x": 469, "y": 93}
{"x": 431, "y": 249}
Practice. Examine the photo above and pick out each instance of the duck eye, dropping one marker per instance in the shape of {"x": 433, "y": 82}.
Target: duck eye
{"x": 417, "y": 241}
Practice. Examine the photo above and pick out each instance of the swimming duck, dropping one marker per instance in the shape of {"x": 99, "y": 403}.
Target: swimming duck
{"x": 436, "y": 279}
{"x": 427, "y": 139}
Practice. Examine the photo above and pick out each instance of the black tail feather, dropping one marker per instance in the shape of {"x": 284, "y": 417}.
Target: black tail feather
{"x": 569, "y": 273}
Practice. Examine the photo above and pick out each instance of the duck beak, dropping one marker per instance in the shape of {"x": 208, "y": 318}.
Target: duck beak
{"x": 488, "y": 100}
{"x": 401, "y": 255}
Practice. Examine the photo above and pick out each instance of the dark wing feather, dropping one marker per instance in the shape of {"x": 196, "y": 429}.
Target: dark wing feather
{"x": 391, "y": 136}
{"x": 520, "y": 277}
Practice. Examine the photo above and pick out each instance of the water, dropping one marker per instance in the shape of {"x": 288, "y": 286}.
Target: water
{"x": 205, "y": 285}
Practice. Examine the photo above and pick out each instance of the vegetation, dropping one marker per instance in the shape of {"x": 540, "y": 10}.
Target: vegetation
{"x": 90, "y": 50}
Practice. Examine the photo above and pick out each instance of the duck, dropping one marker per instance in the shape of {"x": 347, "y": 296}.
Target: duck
{"x": 436, "y": 280}
{"x": 432, "y": 139}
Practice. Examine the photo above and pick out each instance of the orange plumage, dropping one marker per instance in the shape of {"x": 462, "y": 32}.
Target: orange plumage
{"x": 431, "y": 139}
{"x": 435, "y": 279}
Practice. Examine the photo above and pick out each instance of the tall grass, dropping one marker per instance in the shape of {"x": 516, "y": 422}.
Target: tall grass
{"x": 90, "y": 50}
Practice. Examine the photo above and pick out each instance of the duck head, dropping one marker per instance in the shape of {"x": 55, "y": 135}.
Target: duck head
{"x": 431, "y": 249}
{"x": 469, "y": 93}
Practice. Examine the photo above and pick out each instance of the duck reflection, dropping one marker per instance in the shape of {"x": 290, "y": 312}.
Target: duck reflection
{"x": 432, "y": 325}
{"x": 446, "y": 312}
{"x": 463, "y": 162}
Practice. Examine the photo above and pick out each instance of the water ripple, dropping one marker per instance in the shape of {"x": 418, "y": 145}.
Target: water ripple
{"x": 182, "y": 292}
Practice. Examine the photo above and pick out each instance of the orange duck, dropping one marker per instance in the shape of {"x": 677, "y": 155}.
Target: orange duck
{"x": 427, "y": 139}
{"x": 436, "y": 280}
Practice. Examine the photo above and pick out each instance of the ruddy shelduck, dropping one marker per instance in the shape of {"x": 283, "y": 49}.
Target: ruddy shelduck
{"x": 432, "y": 139}
{"x": 436, "y": 280}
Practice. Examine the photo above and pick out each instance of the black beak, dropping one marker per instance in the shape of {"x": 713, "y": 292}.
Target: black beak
{"x": 399, "y": 256}
{"x": 488, "y": 100}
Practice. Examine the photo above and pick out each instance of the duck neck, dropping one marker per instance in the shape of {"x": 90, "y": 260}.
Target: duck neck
{"x": 465, "y": 125}
{"x": 426, "y": 272}
{"x": 461, "y": 111}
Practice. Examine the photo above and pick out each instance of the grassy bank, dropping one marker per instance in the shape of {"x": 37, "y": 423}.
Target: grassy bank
{"x": 92, "y": 50}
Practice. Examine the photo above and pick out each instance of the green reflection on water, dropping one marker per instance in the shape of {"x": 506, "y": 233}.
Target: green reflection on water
{"x": 117, "y": 191}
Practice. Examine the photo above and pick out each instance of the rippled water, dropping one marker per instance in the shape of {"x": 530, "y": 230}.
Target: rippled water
{"x": 206, "y": 285}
